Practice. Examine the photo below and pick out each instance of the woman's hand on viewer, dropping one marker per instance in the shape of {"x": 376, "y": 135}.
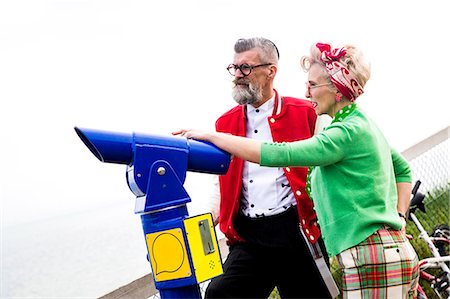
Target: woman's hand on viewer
{"x": 192, "y": 134}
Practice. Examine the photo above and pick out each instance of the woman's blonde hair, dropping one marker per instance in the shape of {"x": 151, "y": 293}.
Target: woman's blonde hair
{"x": 353, "y": 60}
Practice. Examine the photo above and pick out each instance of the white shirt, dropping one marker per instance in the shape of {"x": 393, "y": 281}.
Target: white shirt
{"x": 214, "y": 198}
{"x": 266, "y": 190}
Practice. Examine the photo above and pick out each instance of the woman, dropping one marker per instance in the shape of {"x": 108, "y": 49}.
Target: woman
{"x": 359, "y": 185}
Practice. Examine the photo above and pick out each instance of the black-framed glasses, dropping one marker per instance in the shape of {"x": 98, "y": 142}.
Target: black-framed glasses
{"x": 244, "y": 68}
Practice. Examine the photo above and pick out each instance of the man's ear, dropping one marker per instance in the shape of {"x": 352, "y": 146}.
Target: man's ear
{"x": 273, "y": 71}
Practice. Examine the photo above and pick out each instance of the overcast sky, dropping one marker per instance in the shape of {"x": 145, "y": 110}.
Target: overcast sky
{"x": 157, "y": 66}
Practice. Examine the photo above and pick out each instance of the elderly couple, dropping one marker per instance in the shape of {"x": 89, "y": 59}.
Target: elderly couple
{"x": 294, "y": 196}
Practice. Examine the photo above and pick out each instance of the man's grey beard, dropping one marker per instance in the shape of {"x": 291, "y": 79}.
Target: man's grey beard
{"x": 250, "y": 95}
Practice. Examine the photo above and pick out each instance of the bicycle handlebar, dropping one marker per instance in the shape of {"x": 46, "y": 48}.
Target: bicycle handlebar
{"x": 416, "y": 187}
{"x": 417, "y": 199}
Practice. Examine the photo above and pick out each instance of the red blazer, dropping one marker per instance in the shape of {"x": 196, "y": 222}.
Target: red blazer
{"x": 292, "y": 119}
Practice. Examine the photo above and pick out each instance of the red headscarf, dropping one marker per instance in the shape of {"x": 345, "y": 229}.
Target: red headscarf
{"x": 344, "y": 81}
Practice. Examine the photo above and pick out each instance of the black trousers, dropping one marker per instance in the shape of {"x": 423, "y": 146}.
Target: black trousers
{"x": 274, "y": 255}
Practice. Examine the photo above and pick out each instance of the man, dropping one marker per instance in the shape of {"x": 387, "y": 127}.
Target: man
{"x": 265, "y": 213}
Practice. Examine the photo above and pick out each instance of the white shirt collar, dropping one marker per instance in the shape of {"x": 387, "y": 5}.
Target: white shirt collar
{"x": 267, "y": 106}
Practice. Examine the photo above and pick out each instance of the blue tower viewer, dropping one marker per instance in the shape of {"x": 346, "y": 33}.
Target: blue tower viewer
{"x": 183, "y": 251}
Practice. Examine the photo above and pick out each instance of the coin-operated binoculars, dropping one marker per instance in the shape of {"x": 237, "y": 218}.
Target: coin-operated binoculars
{"x": 183, "y": 251}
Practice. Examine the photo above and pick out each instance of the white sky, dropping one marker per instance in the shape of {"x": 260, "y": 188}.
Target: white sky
{"x": 157, "y": 66}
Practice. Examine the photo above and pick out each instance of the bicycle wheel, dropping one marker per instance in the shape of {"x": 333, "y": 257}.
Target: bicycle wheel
{"x": 442, "y": 231}
{"x": 421, "y": 293}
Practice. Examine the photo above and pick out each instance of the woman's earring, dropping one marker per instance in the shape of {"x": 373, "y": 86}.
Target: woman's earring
{"x": 338, "y": 97}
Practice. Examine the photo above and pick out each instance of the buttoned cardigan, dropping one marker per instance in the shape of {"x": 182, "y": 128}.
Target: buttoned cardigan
{"x": 353, "y": 183}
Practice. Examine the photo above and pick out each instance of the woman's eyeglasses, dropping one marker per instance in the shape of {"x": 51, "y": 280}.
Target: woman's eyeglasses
{"x": 310, "y": 86}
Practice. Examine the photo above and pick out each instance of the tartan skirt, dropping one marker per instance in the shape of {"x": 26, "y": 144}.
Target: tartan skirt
{"x": 383, "y": 266}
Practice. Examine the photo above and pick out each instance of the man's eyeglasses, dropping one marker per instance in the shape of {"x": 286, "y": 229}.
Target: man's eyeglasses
{"x": 244, "y": 68}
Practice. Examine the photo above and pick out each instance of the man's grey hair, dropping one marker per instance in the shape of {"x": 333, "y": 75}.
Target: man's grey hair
{"x": 267, "y": 49}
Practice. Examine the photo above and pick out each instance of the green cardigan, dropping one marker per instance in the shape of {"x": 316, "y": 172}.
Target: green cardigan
{"x": 354, "y": 184}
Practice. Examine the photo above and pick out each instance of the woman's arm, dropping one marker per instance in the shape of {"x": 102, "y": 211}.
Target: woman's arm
{"x": 403, "y": 178}
{"x": 404, "y": 197}
{"x": 241, "y": 147}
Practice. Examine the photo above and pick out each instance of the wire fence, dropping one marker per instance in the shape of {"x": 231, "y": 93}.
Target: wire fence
{"x": 432, "y": 169}
{"x": 430, "y": 163}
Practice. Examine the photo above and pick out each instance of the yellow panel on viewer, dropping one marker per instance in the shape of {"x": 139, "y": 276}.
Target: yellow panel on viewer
{"x": 168, "y": 255}
{"x": 204, "y": 247}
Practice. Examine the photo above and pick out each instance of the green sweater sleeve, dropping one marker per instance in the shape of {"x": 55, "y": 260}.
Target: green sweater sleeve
{"x": 325, "y": 148}
{"x": 401, "y": 168}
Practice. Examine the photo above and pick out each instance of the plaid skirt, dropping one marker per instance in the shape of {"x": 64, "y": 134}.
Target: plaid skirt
{"x": 383, "y": 266}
